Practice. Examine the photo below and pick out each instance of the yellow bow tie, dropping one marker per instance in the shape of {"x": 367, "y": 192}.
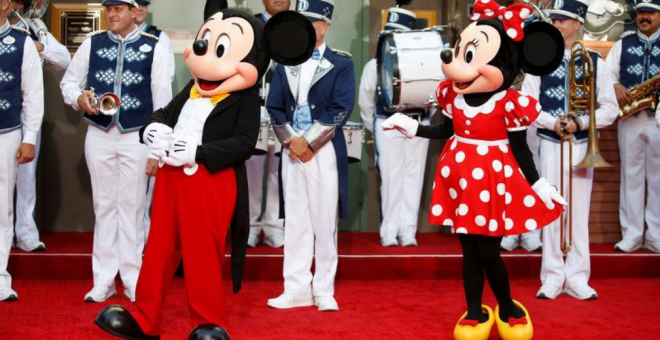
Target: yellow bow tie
{"x": 214, "y": 100}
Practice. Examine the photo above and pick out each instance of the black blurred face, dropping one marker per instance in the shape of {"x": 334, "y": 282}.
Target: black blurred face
{"x": 648, "y": 22}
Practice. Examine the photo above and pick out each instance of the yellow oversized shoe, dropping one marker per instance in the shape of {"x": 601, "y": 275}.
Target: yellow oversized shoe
{"x": 467, "y": 330}
{"x": 515, "y": 329}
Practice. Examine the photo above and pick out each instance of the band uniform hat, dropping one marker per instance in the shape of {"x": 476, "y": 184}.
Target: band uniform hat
{"x": 648, "y": 6}
{"x": 316, "y": 10}
{"x": 569, "y": 9}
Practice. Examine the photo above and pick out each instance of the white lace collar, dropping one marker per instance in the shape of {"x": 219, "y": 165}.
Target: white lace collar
{"x": 485, "y": 108}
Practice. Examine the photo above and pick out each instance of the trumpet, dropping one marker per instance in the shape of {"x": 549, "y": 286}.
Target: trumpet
{"x": 582, "y": 98}
{"x": 108, "y": 103}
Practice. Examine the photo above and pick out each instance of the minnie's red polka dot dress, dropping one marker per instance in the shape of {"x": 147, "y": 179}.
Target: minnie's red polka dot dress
{"x": 479, "y": 188}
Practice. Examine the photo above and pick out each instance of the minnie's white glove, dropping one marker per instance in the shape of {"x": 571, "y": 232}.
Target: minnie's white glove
{"x": 402, "y": 123}
{"x": 657, "y": 119}
{"x": 548, "y": 193}
{"x": 181, "y": 152}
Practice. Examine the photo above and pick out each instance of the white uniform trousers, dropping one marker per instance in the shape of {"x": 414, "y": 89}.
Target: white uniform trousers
{"x": 401, "y": 163}
{"x": 639, "y": 148}
{"x": 311, "y": 195}
{"x": 533, "y": 141}
{"x": 147, "y": 206}
{"x": 117, "y": 164}
{"x": 269, "y": 221}
{"x": 9, "y": 143}
{"x": 26, "y": 198}
{"x": 575, "y": 271}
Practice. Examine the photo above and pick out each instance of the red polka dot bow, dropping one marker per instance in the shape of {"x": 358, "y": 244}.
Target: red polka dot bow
{"x": 513, "y": 17}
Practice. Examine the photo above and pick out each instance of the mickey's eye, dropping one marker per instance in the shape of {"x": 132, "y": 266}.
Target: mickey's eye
{"x": 207, "y": 36}
{"x": 224, "y": 43}
{"x": 470, "y": 52}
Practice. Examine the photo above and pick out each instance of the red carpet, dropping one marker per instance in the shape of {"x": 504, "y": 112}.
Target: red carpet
{"x": 627, "y": 309}
{"x": 361, "y": 258}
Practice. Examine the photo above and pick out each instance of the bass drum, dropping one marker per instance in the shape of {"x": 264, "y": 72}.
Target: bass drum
{"x": 409, "y": 67}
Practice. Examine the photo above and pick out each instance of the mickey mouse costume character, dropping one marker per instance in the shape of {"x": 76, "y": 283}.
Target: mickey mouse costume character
{"x": 204, "y": 137}
{"x": 487, "y": 186}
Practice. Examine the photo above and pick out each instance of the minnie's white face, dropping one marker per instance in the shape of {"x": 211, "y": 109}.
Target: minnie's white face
{"x": 469, "y": 70}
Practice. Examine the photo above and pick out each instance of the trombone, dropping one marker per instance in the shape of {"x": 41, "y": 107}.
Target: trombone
{"x": 582, "y": 98}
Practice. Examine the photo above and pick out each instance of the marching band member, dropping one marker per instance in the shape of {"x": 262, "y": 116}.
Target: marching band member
{"x": 400, "y": 161}
{"x": 309, "y": 104}
{"x": 633, "y": 60}
{"x": 259, "y": 165}
{"x": 553, "y": 97}
{"x": 118, "y": 164}
{"x": 164, "y": 40}
{"x": 21, "y": 114}
{"x": 57, "y": 56}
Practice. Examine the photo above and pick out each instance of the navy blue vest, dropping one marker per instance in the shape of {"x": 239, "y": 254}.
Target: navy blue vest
{"x": 640, "y": 60}
{"x": 554, "y": 95}
{"x": 12, "y": 43}
{"x": 123, "y": 68}
{"x": 153, "y": 30}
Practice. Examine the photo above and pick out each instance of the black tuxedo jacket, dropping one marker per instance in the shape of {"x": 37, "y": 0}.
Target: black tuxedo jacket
{"x": 229, "y": 137}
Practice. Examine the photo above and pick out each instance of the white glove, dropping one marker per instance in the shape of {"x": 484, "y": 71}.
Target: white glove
{"x": 402, "y": 123}
{"x": 657, "y": 119}
{"x": 548, "y": 193}
{"x": 155, "y": 133}
{"x": 181, "y": 152}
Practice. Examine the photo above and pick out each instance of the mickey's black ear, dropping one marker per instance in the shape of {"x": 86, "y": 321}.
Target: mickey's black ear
{"x": 290, "y": 38}
{"x": 213, "y": 6}
{"x": 542, "y": 49}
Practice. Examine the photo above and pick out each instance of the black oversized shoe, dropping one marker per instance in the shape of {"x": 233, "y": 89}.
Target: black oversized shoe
{"x": 208, "y": 331}
{"x": 117, "y": 321}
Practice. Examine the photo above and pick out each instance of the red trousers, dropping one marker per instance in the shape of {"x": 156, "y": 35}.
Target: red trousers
{"x": 190, "y": 219}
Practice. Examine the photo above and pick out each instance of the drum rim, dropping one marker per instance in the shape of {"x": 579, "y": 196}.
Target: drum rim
{"x": 396, "y": 73}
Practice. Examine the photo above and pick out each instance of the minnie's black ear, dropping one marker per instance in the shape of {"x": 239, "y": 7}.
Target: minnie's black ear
{"x": 542, "y": 49}
{"x": 290, "y": 38}
{"x": 214, "y": 6}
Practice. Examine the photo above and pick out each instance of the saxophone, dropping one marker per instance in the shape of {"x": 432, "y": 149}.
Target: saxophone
{"x": 644, "y": 96}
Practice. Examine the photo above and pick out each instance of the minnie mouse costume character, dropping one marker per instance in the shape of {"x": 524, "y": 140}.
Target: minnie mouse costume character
{"x": 487, "y": 186}
{"x": 203, "y": 137}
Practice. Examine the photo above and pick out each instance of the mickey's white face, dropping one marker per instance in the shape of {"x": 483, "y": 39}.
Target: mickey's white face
{"x": 469, "y": 69}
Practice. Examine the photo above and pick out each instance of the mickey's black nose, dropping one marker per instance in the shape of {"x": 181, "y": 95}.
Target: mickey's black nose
{"x": 200, "y": 47}
{"x": 446, "y": 55}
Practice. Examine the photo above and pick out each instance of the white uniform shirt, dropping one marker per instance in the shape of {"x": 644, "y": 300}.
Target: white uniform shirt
{"x": 307, "y": 71}
{"x": 164, "y": 40}
{"x": 367, "y": 94}
{"x": 190, "y": 125}
{"x": 32, "y": 87}
{"x": 75, "y": 78}
{"x": 607, "y": 106}
{"x": 55, "y": 54}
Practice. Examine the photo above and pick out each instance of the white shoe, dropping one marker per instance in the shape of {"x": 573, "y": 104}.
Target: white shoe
{"x": 654, "y": 247}
{"x": 100, "y": 294}
{"x": 627, "y": 246}
{"x": 326, "y": 303}
{"x": 531, "y": 244}
{"x": 582, "y": 292}
{"x": 389, "y": 242}
{"x": 275, "y": 241}
{"x": 509, "y": 243}
{"x": 548, "y": 292}
{"x": 253, "y": 240}
{"x": 7, "y": 294}
{"x": 408, "y": 241}
{"x": 286, "y": 301}
{"x": 29, "y": 246}
{"x": 129, "y": 294}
